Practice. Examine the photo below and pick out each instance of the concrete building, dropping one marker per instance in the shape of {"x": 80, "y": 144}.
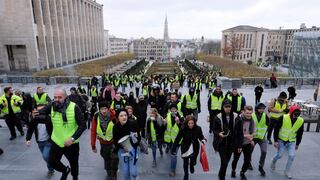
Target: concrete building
{"x": 107, "y": 43}
{"x": 118, "y": 45}
{"x": 248, "y": 42}
{"x": 260, "y": 44}
{"x": 151, "y": 48}
{"x": 43, "y": 34}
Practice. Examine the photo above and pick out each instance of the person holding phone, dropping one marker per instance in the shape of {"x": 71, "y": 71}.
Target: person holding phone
{"x": 227, "y": 135}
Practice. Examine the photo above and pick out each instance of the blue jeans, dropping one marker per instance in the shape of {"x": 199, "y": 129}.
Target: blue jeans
{"x": 290, "y": 147}
{"x": 173, "y": 164}
{"x": 128, "y": 167}
{"x": 44, "y": 147}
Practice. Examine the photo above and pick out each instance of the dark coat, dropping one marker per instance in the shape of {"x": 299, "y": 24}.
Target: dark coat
{"x": 189, "y": 136}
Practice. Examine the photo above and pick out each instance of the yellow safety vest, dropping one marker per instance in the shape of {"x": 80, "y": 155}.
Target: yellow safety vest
{"x": 94, "y": 92}
{"x": 191, "y": 103}
{"x": 112, "y": 104}
{"x": 171, "y": 132}
{"x": 63, "y": 130}
{"x": 145, "y": 91}
{"x": 278, "y": 107}
{"x": 42, "y": 100}
{"x": 288, "y": 132}
{"x": 14, "y": 99}
{"x": 239, "y": 102}
{"x": 261, "y": 126}
{"x": 216, "y": 102}
{"x": 153, "y": 132}
{"x": 107, "y": 135}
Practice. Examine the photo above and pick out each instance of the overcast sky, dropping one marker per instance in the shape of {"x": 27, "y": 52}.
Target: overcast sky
{"x": 196, "y": 18}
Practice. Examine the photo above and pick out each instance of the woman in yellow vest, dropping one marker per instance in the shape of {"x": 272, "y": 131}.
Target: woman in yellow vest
{"x": 102, "y": 129}
{"x": 155, "y": 127}
{"x": 173, "y": 125}
{"x": 287, "y": 137}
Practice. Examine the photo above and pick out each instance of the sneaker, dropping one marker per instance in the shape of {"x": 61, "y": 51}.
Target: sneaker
{"x": 243, "y": 176}
{"x": 154, "y": 164}
{"x": 273, "y": 165}
{"x": 12, "y": 138}
{"x": 65, "y": 174}
{"x": 191, "y": 169}
{"x": 262, "y": 172}
{"x": 50, "y": 173}
{"x": 233, "y": 174}
{"x": 288, "y": 174}
{"x": 270, "y": 142}
{"x": 172, "y": 174}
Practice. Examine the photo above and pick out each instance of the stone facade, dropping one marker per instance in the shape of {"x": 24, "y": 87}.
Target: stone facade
{"x": 118, "y": 45}
{"x": 42, "y": 34}
{"x": 151, "y": 48}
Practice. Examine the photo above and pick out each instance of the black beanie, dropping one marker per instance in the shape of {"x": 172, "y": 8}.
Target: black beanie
{"x": 283, "y": 95}
{"x": 104, "y": 104}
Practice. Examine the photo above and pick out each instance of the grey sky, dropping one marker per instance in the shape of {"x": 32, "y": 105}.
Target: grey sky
{"x": 194, "y": 18}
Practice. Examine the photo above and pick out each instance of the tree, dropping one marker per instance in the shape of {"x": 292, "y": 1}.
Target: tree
{"x": 211, "y": 47}
{"x": 233, "y": 46}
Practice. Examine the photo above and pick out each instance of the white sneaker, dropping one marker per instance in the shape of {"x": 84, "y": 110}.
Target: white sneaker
{"x": 273, "y": 165}
{"x": 288, "y": 174}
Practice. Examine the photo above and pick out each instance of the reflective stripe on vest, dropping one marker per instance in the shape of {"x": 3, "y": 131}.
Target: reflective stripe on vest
{"x": 42, "y": 100}
{"x": 63, "y": 130}
{"x": 278, "y": 107}
{"x": 216, "y": 102}
{"x": 107, "y": 135}
{"x": 14, "y": 99}
{"x": 171, "y": 132}
{"x": 261, "y": 126}
{"x": 239, "y": 102}
{"x": 153, "y": 132}
{"x": 191, "y": 103}
{"x": 287, "y": 131}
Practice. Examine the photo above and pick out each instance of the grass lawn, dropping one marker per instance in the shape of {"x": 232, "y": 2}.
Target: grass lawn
{"x": 91, "y": 68}
{"x": 235, "y": 69}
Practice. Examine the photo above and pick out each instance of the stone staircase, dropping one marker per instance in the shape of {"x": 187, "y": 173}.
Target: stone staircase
{"x": 164, "y": 68}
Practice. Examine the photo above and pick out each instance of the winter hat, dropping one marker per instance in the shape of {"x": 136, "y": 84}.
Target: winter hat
{"x": 283, "y": 95}
{"x": 226, "y": 102}
{"x": 104, "y": 104}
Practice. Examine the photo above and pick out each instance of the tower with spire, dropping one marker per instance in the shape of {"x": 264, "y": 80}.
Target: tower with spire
{"x": 166, "y": 32}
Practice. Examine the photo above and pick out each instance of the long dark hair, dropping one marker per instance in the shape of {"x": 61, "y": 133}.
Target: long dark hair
{"x": 118, "y": 113}
{"x": 189, "y": 118}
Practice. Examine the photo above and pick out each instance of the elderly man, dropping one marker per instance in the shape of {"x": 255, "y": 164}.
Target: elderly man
{"x": 68, "y": 125}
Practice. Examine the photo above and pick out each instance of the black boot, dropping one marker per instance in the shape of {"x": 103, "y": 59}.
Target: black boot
{"x": 186, "y": 177}
{"x": 262, "y": 172}
{"x": 243, "y": 176}
{"x": 233, "y": 174}
{"x": 191, "y": 168}
{"x": 65, "y": 174}
{"x": 250, "y": 167}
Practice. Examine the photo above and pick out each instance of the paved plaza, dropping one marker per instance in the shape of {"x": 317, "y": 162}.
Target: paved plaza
{"x": 22, "y": 163}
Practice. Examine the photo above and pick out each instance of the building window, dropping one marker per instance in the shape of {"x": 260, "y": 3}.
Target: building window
{"x": 34, "y": 16}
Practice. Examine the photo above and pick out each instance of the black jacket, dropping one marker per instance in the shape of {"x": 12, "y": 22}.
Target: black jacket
{"x": 189, "y": 136}
{"x": 33, "y": 126}
{"x": 235, "y": 137}
{"x": 140, "y": 111}
{"x": 258, "y": 90}
{"x": 120, "y": 131}
{"x": 76, "y": 98}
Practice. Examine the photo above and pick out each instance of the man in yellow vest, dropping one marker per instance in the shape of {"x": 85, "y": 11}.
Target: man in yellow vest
{"x": 40, "y": 98}
{"x": 118, "y": 102}
{"x": 191, "y": 103}
{"x": 10, "y": 109}
{"x": 262, "y": 121}
{"x": 102, "y": 129}
{"x": 237, "y": 100}
{"x": 173, "y": 125}
{"x": 68, "y": 125}
{"x": 215, "y": 105}
{"x": 277, "y": 108}
{"x": 287, "y": 137}
{"x": 94, "y": 94}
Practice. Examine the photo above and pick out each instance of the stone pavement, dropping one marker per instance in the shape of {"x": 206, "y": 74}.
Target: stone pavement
{"x": 22, "y": 163}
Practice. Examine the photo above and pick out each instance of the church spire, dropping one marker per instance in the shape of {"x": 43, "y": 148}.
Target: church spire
{"x": 166, "y": 32}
